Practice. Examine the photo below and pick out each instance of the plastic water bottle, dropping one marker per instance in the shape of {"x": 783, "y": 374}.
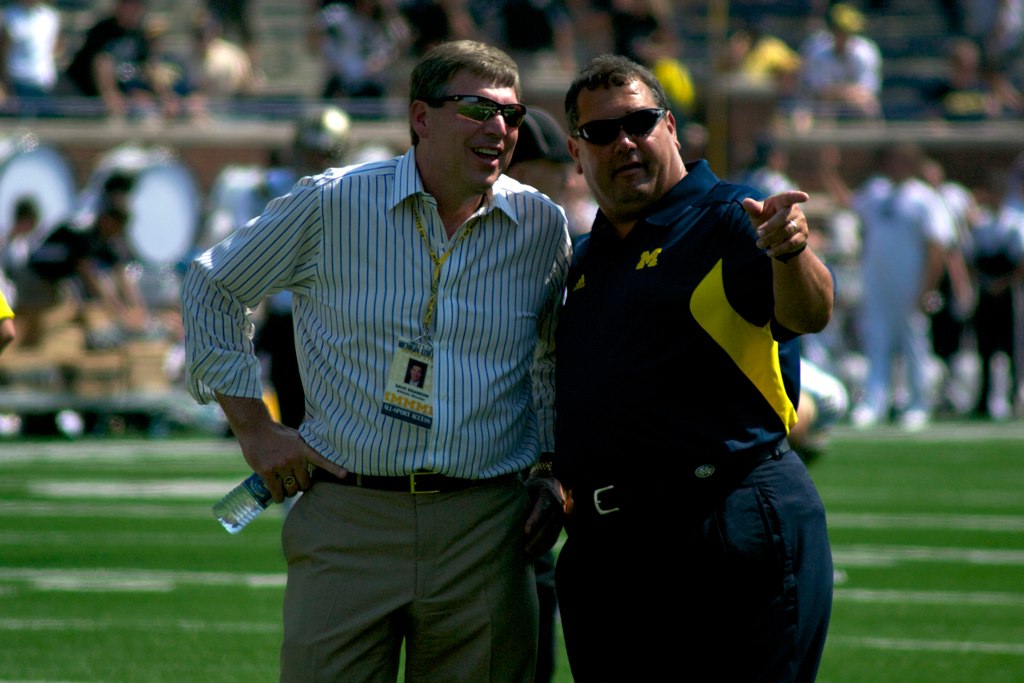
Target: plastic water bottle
{"x": 242, "y": 504}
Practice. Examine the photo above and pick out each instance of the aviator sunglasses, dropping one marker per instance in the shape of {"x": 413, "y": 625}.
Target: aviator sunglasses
{"x": 482, "y": 109}
{"x": 637, "y": 124}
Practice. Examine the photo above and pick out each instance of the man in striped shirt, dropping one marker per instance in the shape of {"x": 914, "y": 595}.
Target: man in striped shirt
{"x": 433, "y": 258}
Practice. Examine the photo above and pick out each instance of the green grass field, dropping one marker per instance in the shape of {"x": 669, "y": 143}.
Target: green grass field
{"x": 112, "y": 568}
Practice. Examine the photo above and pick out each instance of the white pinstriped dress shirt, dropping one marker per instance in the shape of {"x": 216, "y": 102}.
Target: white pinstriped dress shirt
{"x": 346, "y": 244}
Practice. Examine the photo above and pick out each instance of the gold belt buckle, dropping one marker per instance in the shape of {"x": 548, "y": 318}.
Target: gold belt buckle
{"x": 412, "y": 482}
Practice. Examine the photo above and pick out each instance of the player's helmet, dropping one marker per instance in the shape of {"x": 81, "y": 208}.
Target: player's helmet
{"x": 325, "y": 131}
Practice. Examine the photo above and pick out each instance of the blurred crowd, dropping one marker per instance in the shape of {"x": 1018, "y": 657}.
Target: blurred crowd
{"x": 826, "y": 60}
{"x": 931, "y": 313}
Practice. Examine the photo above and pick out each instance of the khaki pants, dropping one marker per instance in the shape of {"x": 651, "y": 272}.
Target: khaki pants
{"x": 446, "y": 573}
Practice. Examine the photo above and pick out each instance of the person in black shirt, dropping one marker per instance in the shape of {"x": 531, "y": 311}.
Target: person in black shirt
{"x": 114, "y": 64}
{"x": 689, "y": 296}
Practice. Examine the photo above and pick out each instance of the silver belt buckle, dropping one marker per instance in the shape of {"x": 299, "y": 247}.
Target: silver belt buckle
{"x": 597, "y": 501}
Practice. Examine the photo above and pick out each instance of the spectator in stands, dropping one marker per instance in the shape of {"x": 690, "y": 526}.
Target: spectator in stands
{"x": 360, "y": 42}
{"x": 30, "y": 42}
{"x": 224, "y": 69}
{"x": 643, "y": 30}
{"x": 114, "y": 63}
{"x": 435, "y": 21}
{"x": 760, "y": 57}
{"x": 532, "y": 27}
{"x": 174, "y": 74}
{"x": 998, "y": 26}
{"x": 997, "y": 257}
{"x": 235, "y": 19}
{"x": 906, "y": 234}
{"x": 964, "y": 94}
{"x": 95, "y": 261}
{"x": 842, "y": 69}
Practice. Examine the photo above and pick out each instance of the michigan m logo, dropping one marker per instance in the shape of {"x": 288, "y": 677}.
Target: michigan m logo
{"x": 648, "y": 259}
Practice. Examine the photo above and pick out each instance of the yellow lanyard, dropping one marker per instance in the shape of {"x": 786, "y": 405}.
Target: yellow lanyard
{"x": 438, "y": 262}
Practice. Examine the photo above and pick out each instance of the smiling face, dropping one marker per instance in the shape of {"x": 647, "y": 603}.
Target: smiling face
{"x": 630, "y": 173}
{"x": 458, "y": 158}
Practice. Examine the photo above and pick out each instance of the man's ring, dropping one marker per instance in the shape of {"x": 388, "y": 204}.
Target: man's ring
{"x": 793, "y": 224}
{"x": 288, "y": 481}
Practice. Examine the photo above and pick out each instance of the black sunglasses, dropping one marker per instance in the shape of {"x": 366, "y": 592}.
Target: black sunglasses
{"x": 637, "y": 124}
{"x": 481, "y": 108}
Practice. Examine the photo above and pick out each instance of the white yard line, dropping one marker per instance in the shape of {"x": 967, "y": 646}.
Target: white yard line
{"x": 137, "y": 625}
{"x": 174, "y": 488}
{"x": 888, "y": 555}
{"x": 870, "y": 520}
{"x": 917, "y": 645}
{"x": 132, "y": 580}
{"x": 902, "y": 597}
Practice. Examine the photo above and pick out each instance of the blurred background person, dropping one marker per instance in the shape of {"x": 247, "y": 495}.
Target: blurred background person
{"x": 27, "y": 292}
{"x": 906, "y": 232}
{"x": 963, "y": 93}
{"x": 235, "y": 19}
{"x": 96, "y": 264}
{"x": 174, "y": 73}
{"x": 225, "y": 70}
{"x": 997, "y": 257}
{"x": 360, "y": 43}
{"x": 842, "y": 69}
{"x": 538, "y": 34}
{"x": 950, "y": 322}
{"x": 760, "y": 57}
{"x": 998, "y": 27}
{"x": 541, "y": 159}
{"x": 114, "y": 63}
{"x": 30, "y": 44}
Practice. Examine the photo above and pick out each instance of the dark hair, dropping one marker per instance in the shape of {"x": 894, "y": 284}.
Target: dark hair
{"x": 608, "y": 71}
{"x": 26, "y": 209}
{"x": 439, "y": 66}
{"x": 119, "y": 181}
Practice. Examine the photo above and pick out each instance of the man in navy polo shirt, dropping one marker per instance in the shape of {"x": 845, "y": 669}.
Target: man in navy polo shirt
{"x": 678, "y": 378}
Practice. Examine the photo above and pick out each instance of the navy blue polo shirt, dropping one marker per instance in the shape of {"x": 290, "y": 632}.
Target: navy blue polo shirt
{"x": 668, "y": 350}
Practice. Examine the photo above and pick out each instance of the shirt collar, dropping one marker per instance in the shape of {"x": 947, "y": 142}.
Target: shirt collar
{"x": 698, "y": 181}
{"x": 408, "y": 183}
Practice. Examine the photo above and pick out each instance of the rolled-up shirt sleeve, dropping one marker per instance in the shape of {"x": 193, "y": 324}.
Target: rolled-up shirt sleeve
{"x": 267, "y": 255}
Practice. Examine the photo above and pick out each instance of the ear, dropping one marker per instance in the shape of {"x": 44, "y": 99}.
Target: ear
{"x": 670, "y": 123}
{"x": 418, "y": 117}
{"x": 574, "y": 152}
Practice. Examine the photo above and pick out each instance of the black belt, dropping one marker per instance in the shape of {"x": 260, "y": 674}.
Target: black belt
{"x": 723, "y": 470}
{"x": 416, "y": 482}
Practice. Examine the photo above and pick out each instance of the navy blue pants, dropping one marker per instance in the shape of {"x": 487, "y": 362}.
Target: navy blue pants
{"x": 735, "y": 588}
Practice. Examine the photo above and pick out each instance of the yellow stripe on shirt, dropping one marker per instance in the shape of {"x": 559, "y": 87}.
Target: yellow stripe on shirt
{"x": 5, "y": 308}
{"x": 752, "y": 348}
